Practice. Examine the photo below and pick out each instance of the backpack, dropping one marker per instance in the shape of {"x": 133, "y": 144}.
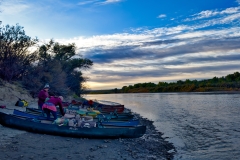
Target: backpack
{"x": 21, "y": 103}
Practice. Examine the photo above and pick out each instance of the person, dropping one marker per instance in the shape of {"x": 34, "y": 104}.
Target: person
{"x": 42, "y": 95}
{"x": 50, "y": 106}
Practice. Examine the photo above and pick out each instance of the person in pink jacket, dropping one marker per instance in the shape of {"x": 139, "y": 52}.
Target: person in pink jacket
{"x": 42, "y": 95}
{"x": 50, "y": 106}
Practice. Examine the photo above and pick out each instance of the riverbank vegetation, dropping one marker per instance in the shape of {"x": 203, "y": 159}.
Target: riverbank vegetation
{"x": 230, "y": 82}
{"x": 33, "y": 64}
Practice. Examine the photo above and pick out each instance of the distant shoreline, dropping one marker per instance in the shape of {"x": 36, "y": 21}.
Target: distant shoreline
{"x": 217, "y": 91}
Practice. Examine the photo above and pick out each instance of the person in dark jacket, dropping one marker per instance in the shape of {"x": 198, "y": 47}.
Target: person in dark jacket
{"x": 50, "y": 106}
{"x": 42, "y": 95}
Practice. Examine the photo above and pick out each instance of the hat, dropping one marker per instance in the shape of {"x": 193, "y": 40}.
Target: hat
{"x": 61, "y": 97}
{"x": 46, "y": 86}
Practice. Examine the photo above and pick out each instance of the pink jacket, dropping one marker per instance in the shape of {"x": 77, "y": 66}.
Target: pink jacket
{"x": 52, "y": 103}
{"x": 42, "y": 95}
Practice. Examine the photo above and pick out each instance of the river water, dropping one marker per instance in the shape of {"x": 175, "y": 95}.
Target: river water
{"x": 202, "y": 126}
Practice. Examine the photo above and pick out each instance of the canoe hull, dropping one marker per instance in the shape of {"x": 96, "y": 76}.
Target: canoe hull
{"x": 108, "y": 109}
{"x": 107, "y": 106}
{"x": 32, "y": 126}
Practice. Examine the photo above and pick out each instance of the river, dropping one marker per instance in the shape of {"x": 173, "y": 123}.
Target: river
{"x": 202, "y": 126}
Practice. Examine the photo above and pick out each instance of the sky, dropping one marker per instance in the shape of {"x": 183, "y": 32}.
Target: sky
{"x": 137, "y": 41}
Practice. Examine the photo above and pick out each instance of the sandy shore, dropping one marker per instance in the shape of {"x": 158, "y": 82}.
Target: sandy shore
{"x": 16, "y": 144}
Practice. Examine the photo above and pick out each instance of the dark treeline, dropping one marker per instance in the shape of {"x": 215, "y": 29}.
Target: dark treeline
{"x": 230, "y": 82}
{"x": 23, "y": 60}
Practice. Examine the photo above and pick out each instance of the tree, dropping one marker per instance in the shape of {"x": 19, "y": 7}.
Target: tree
{"x": 15, "y": 53}
{"x": 188, "y": 81}
{"x": 115, "y": 90}
{"x": 179, "y": 82}
{"x": 137, "y": 85}
{"x": 69, "y": 63}
{"x": 150, "y": 84}
{"x": 52, "y": 63}
{"x": 125, "y": 89}
{"x": 161, "y": 84}
{"x": 38, "y": 77}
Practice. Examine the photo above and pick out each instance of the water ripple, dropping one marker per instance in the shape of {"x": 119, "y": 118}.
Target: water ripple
{"x": 201, "y": 125}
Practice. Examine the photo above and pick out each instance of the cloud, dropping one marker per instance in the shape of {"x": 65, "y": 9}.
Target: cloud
{"x": 99, "y": 2}
{"x": 151, "y": 50}
{"x": 166, "y": 53}
{"x": 238, "y": 1}
{"x": 87, "y": 2}
{"x": 13, "y": 7}
{"x": 162, "y": 16}
{"x": 163, "y": 58}
{"x": 112, "y": 1}
{"x": 108, "y": 75}
{"x": 212, "y": 13}
{"x": 159, "y": 43}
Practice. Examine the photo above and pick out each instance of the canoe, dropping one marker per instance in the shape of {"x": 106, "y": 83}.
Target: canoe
{"x": 101, "y": 105}
{"x": 116, "y": 116}
{"x": 98, "y": 110}
{"x": 32, "y": 125}
{"x": 28, "y": 115}
{"x": 108, "y": 106}
{"x": 108, "y": 109}
{"x": 103, "y": 122}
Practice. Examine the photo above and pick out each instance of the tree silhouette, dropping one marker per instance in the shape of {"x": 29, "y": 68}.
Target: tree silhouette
{"x": 22, "y": 60}
{"x": 15, "y": 54}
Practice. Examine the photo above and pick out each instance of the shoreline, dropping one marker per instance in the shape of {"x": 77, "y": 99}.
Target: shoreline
{"x": 17, "y": 144}
{"x": 217, "y": 91}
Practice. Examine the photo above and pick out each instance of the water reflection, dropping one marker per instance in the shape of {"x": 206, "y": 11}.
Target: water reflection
{"x": 201, "y": 125}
